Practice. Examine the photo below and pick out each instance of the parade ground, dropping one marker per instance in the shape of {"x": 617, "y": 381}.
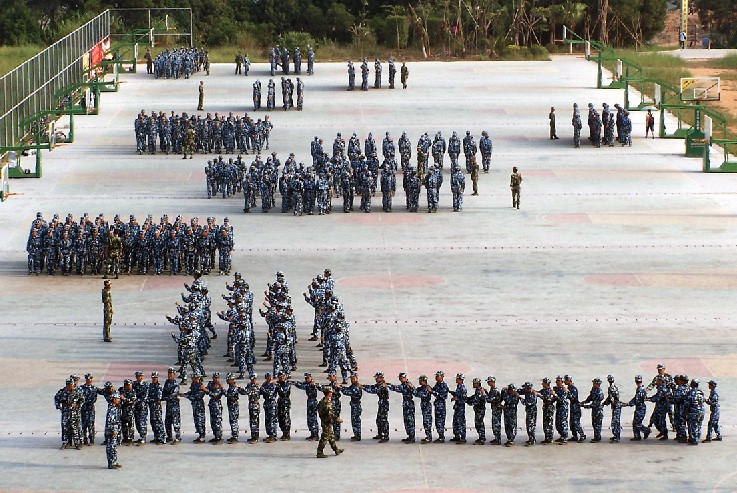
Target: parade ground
{"x": 620, "y": 258}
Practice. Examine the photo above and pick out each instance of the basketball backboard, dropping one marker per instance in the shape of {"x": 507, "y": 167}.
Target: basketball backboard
{"x": 700, "y": 89}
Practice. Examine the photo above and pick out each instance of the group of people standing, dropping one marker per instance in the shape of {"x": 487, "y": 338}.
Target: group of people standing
{"x": 180, "y": 62}
{"x": 188, "y": 134}
{"x": 287, "y": 91}
{"x": 377, "y": 74}
{"x": 281, "y": 57}
{"x": 601, "y": 126}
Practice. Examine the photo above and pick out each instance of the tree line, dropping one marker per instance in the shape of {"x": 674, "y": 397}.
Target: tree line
{"x": 434, "y": 27}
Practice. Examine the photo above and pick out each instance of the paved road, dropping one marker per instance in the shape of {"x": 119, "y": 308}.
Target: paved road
{"x": 619, "y": 259}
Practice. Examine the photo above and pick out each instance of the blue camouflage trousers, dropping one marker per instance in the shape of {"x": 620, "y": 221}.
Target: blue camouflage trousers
{"x": 510, "y": 423}
{"x": 172, "y": 422}
{"x": 382, "y": 420}
{"x": 597, "y": 416}
{"x": 141, "y": 415}
{"x": 233, "y": 414}
{"x": 694, "y": 427}
{"x": 284, "y": 408}
{"x": 198, "y": 415}
{"x": 637, "y": 426}
{"x": 157, "y": 423}
{"x": 111, "y": 448}
{"x": 548, "y": 414}
{"x": 576, "y": 429}
{"x": 496, "y": 424}
{"x": 336, "y": 425}
{"x": 408, "y": 414}
{"x": 459, "y": 421}
{"x": 216, "y": 418}
{"x": 616, "y": 422}
{"x": 88, "y": 424}
{"x": 426, "y": 409}
{"x": 270, "y": 419}
{"x": 713, "y": 425}
{"x": 440, "y": 413}
{"x": 253, "y": 420}
{"x": 531, "y": 422}
{"x": 356, "y": 411}
{"x": 478, "y": 421}
{"x": 312, "y": 423}
{"x": 561, "y": 422}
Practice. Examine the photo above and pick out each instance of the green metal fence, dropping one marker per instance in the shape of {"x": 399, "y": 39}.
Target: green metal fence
{"x": 30, "y": 88}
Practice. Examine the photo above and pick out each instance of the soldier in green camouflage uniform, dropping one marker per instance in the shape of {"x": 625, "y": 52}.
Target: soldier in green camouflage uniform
{"x": 189, "y": 141}
{"x": 107, "y": 310}
{"x": 327, "y": 420}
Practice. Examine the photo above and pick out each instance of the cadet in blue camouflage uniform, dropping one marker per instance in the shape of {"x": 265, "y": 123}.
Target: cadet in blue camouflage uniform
{"x": 355, "y": 392}
{"x": 65, "y": 400}
{"x": 595, "y": 402}
{"x": 172, "y": 418}
{"x": 457, "y": 186}
{"x": 141, "y": 408}
{"x": 577, "y": 126}
{"x": 388, "y": 188}
{"x": 196, "y": 396}
{"x": 155, "y": 395}
{"x": 268, "y": 392}
{"x": 215, "y": 391}
{"x": 548, "y": 402}
{"x": 364, "y": 75}
{"x": 253, "y": 390}
{"x": 662, "y": 403}
{"x": 128, "y": 406}
{"x": 494, "y": 398}
{"x": 284, "y": 406}
{"x": 575, "y": 410}
{"x": 478, "y": 402}
{"x": 459, "y": 410}
{"x": 232, "y": 395}
{"x": 638, "y": 402}
{"x": 487, "y": 148}
{"x": 440, "y": 391}
{"x": 695, "y": 412}
{"x": 529, "y": 400}
{"x": 561, "y": 410}
{"x": 424, "y": 392}
{"x": 713, "y": 425}
{"x": 680, "y": 393}
{"x": 408, "y": 405}
{"x": 112, "y": 433}
{"x": 612, "y": 400}
{"x": 510, "y": 400}
{"x": 310, "y": 388}
{"x": 90, "y": 393}
{"x": 382, "y": 414}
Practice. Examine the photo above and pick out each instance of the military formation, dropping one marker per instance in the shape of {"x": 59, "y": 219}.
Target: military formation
{"x": 602, "y": 126}
{"x": 392, "y": 69}
{"x": 137, "y": 403}
{"x": 96, "y": 246}
{"x": 180, "y": 62}
{"x": 353, "y": 170}
{"x": 281, "y": 57}
{"x": 190, "y": 134}
{"x": 287, "y": 92}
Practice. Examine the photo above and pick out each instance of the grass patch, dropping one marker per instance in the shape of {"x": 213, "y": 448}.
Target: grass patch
{"x": 728, "y": 62}
{"x": 12, "y": 56}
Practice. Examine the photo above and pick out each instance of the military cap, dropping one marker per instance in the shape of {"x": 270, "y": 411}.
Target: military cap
{"x": 253, "y": 376}
{"x": 69, "y": 380}
{"x": 154, "y": 374}
{"x": 110, "y": 384}
{"x": 331, "y": 373}
{"x": 596, "y": 380}
{"x": 74, "y": 377}
{"x": 423, "y": 377}
{"x": 379, "y": 374}
{"x": 713, "y": 382}
{"x": 461, "y": 376}
{"x": 558, "y": 378}
{"x": 307, "y": 374}
{"x": 568, "y": 377}
{"x": 477, "y": 380}
{"x": 491, "y": 378}
{"x": 661, "y": 366}
{"x": 403, "y": 375}
{"x": 609, "y": 378}
{"x": 229, "y": 376}
{"x": 695, "y": 382}
{"x": 527, "y": 384}
{"x": 197, "y": 374}
{"x": 237, "y": 274}
{"x": 170, "y": 370}
{"x": 328, "y": 272}
{"x": 115, "y": 395}
{"x": 440, "y": 373}
{"x": 279, "y": 273}
{"x": 39, "y": 215}
{"x": 511, "y": 386}
{"x": 139, "y": 373}
{"x": 546, "y": 380}
{"x": 638, "y": 378}
{"x": 88, "y": 376}
{"x": 216, "y": 374}
{"x": 267, "y": 375}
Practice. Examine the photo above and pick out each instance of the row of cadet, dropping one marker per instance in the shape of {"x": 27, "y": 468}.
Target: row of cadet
{"x": 287, "y": 93}
{"x": 99, "y": 247}
{"x": 212, "y": 133}
{"x": 561, "y": 407}
{"x": 179, "y": 62}
{"x": 377, "y": 74}
{"x": 281, "y": 57}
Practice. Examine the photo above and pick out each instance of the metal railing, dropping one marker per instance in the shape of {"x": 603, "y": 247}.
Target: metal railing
{"x": 30, "y": 88}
